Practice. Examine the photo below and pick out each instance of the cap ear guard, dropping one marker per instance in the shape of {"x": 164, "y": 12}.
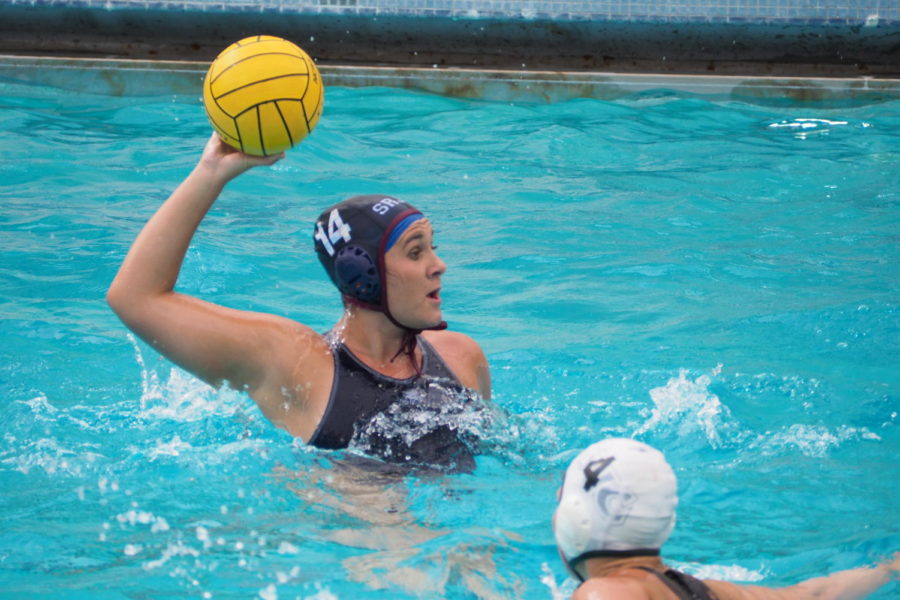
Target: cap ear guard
{"x": 572, "y": 526}
{"x": 356, "y": 274}
{"x": 350, "y": 238}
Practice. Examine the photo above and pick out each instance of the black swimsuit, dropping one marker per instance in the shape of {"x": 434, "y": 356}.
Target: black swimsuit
{"x": 682, "y": 585}
{"x": 421, "y": 420}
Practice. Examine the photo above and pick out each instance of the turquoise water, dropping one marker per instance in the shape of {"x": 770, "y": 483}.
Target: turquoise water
{"x": 715, "y": 278}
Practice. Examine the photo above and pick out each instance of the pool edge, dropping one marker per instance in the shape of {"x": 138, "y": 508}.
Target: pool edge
{"x": 138, "y": 77}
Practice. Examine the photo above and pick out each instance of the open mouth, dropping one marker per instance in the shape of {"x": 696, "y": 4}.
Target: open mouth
{"x": 435, "y": 294}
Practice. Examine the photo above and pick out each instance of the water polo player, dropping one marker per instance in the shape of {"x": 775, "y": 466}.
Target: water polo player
{"x": 617, "y": 508}
{"x": 389, "y": 379}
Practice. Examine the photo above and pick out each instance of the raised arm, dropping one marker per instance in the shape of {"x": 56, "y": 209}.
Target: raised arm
{"x": 217, "y": 344}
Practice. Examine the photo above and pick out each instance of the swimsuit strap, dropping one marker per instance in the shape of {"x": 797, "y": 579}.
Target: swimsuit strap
{"x": 682, "y": 585}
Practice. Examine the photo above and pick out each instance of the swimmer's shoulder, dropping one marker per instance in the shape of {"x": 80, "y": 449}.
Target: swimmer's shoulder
{"x": 612, "y": 588}
{"x": 276, "y": 353}
{"x": 450, "y": 339}
{"x": 464, "y": 357}
{"x": 282, "y": 334}
{"x": 455, "y": 347}
{"x": 297, "y": 373}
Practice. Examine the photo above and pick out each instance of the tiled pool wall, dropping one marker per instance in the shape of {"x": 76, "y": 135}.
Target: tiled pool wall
{"x": 470, "y": 47}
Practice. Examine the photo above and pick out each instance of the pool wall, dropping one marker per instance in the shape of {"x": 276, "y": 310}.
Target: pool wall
{"x": 809, "y": 38}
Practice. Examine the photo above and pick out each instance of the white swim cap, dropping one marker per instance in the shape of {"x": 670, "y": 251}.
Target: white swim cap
{"x": 618, "y": 499}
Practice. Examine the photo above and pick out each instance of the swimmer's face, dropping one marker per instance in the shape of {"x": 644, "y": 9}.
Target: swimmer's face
{"x": 413, "y": 276}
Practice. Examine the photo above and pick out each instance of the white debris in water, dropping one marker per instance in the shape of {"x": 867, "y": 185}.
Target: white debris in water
{"x": 270, "y": 592}
{"x": 172, "y": 549}
{"x": 288, "y": 548}
{"x": 173, "y": 447}
{"x": 159, "y": 525}
{"x": 134, "y": 517}
{"x": 203, "y": 536}
{"x": 286, "y": 577}
{"x": 132, "y": 549}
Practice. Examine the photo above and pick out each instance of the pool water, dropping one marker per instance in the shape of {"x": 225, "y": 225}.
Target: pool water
{"x": 716, "y": 278}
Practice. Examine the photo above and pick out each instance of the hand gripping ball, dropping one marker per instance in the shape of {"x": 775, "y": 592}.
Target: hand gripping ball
{"x": 263, "y": 95}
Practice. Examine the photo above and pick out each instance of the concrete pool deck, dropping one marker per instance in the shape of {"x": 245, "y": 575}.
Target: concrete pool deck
{"x": 128, "y": 77}
{"x": 532, "y": 50}
{"x": 731, "y": 37}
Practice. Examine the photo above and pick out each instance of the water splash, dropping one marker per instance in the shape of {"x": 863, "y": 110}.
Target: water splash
{"x": 335, "y": 336}
{"x": 690, "y": 405}
{"x": 733, "y": 573}
{"x": 439, "y": 410}
{"x": 811, "y": 440}
{"x": 47, "y": 454}
{"x": 419, "y": 411}
{"x": 684, "y": 407}
{"x": 173, "y": 447}
{"x": 181, "y": 397}
{"x": 557, "y": 591}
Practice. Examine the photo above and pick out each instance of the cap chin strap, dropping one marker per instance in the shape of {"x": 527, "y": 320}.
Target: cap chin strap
{"x": 607, "y": 554}
{"x": 408, "y": 344}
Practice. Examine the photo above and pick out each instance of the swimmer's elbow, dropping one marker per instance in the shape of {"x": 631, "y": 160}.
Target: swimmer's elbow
{"x": 121, "y": 301}
{"x": 116, "y": 298}
{"x": 131, "y": 307}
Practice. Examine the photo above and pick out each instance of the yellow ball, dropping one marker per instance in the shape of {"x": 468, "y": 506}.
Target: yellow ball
{"x": 263, "y": 95}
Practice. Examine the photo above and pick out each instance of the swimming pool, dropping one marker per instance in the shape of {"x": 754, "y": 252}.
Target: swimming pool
{"x": 716, "y": 278}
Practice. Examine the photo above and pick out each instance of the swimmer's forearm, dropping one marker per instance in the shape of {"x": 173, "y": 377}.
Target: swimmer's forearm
{"x": 853, "y": 584}
{"x": 847, "y": 585}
